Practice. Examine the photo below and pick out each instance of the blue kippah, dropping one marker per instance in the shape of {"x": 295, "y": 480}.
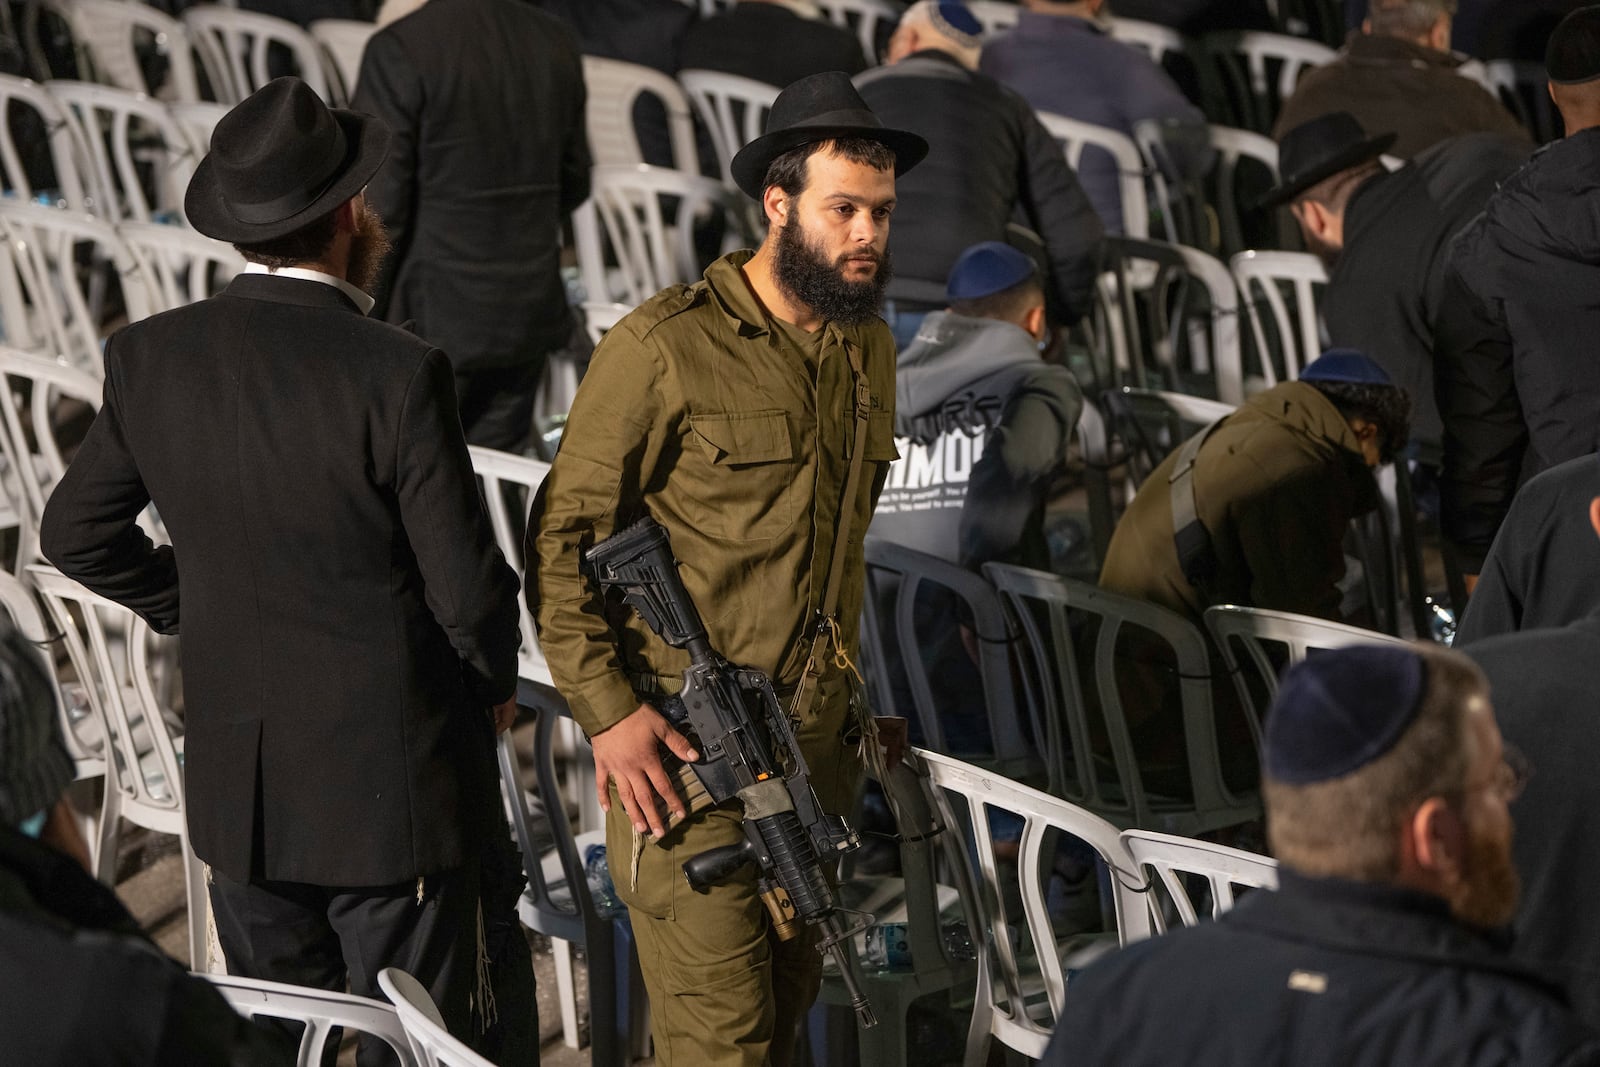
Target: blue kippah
{"x": 1341, "y": 709}
{"x": 961, "y": 17}
{"x": 1345, "y": 365}
{"x": 987, "y": 268}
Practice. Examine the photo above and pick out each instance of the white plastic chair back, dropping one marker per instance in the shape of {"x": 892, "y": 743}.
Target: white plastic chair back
{"x": 343, "y": 42}
{"x": 236, "y": 49}
{"x": 1151, "y": 38}
{"x": 198, "y": 120}
{"x": 1523, "y": 87}
{"x": 48, "y": 303}
{"x": 996, "y": 16}
{"x": 1259, "y": 631}
{"x": 1047, "y": 609}
{"x": 1001, "y": 1008}
{"x": 497, "y": 473}
{"x": 109, "y": 649}
{"x": 186, "y": 266}
{"x": 863, "y": 18}
{"x": 68, "y": 155}
{"x": 614, "y": 87}
{"x": 126, "y": 132}
{"x": 323, "y": 1013}
{"x": 430, "y": 1042}
{"x": 1223, "y": 868}
{"x": 1265, "y": 279}
{"x": 1231, "y": 146}
{"x": 598, "y": 318}
{"x": 111, "y": 34}
{"x": 733, "y": 109}
{"x": 1259, "y": 53}
{"x": 34, "y": 387}
{"x": 1075, "y": 136}
{"x": 646, "y": 216}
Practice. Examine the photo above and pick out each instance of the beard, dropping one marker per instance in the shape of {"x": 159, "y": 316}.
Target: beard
{"x": 368, "y": 251}
{"x": 802, "y": 270}
{"x": 1487, "y": 896}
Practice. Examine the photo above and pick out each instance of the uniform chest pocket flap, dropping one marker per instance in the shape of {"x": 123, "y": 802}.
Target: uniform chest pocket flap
{"x": 738, "y": 438}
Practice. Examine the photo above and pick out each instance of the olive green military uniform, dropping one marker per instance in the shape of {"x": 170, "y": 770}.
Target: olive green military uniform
{"x": 734, "y": 430}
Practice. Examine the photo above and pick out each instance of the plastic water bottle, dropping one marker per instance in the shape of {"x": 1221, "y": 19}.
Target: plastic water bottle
{"x": 597, "y": 872}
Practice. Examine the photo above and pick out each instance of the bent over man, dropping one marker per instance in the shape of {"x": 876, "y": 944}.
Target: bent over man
{"x": 727, "y": 411}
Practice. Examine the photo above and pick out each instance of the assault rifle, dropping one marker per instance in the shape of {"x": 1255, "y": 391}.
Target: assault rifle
{"x": 747, "y": 750}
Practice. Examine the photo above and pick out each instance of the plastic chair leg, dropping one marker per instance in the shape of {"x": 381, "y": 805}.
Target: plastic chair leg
{"x": 566, "y": 992}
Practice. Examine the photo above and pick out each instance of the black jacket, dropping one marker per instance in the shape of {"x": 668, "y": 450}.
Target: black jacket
{"x": 1531, "y": 262}
{"x": 1320, "y": 972}
{"x": 83, "y": 987}
{"x": 769, "y": 43}
{"x": 1387, "y": 295}
{"x": 1542, "y": 683}
{"x": 990, "y": 164}
{"x": 347, "y": 618}
{"x": 485, "y": 99}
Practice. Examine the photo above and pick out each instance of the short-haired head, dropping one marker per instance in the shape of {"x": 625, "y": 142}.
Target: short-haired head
{"x": 309, "y": 244}
{"x": 992, "y": 280}
{"x": 1361, "y": 389}
{"x": 947, "y": 25}
{"x": 1572, "y": 63}
{"x": 1424, "y": 22}
{"x": 791, "y": 170}
{"x": 1355, "y": 741}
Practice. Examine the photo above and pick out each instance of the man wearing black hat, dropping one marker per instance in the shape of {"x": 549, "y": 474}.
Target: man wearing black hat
{"x": 751, "y": 414}
{"x": 1386, "y": 787}
{"x": 1531, "y": 263}
{"x": 348, "y": 622}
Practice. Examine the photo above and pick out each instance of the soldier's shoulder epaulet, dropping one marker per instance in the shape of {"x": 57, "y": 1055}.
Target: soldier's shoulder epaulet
{"x": 672, "y": 301}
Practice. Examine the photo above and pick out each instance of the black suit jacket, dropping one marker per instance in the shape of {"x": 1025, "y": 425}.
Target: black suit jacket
{"x": 347, "y": 618}
{"x": 485, "y": 99}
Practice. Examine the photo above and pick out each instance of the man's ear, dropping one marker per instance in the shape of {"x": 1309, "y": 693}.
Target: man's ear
{"x": 775, "y": 202}
{"x": 1033, "y": 322}
{"x": 1594, "y": 515}
{"x": 1436, "y": 839}
{"x": 1439, "y": 36}
{"x": 344, "y": 217}
{"x": 1312, "y": 216}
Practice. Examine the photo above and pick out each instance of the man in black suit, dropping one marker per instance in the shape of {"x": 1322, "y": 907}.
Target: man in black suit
{"x": 347, "y": 618}
{"x": 485, "y": 99}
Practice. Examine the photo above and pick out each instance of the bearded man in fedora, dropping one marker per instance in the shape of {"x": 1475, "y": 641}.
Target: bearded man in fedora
{"x": 752, "y": 414}
{"x": 349, "y": 626}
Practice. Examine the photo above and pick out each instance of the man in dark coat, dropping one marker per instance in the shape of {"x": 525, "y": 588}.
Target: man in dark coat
{"x": 1398, "y": 74}
{"x": 347, "y": 619}
{"x": 1543, "y": 681}
{"x": 1386, "y": 787}
{"x": 771, "y": 41}
{"x": 485, "y": 98}
{"x": 1531, "y": 263}
{"x": 992, "y": 166}
{"x": 81, "y": 983}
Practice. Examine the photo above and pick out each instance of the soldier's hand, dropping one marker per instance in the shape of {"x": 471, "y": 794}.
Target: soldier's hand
{"x": 626, "y": 755}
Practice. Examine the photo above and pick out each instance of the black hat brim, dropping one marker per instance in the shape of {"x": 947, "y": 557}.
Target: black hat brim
{"x": 1356, "y": 154}
{"x": 367, "y": 142}
{"x": 750, "y": 164}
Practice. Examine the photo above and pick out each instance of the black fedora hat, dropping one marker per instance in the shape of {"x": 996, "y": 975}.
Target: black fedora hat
{"x": 822, "y": 107}
{"x": 280, "y": 160}
{"x": 1319, "y": 149}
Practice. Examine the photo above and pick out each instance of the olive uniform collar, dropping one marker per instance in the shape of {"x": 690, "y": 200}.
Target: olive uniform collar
{"x": 726, "y": 281}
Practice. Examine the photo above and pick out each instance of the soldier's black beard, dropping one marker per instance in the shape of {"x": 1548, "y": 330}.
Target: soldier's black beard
{"x": 805, "y": 275}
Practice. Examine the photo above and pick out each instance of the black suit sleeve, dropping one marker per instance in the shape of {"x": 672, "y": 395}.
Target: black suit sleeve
{"x": 469, "y": 588}
{"x": 1059, "y": 211}
{"x": 390, "y": 88}
{"x": 90, "y": 525}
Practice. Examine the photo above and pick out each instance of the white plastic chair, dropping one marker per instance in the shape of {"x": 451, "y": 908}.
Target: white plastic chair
{"x": 1075, "y": 136}
{"x": 499, "y": 472}
{"x": 1523, "y": 86}
{"x": 1261, "y": 71}
{"x": 1231, "y": 147}
{"x": 734, "y": 110}
{"x": 186, "y": 266}
{"x": 198, "y": 120}
{"x": 125, "y": 131}
{"x": 598, "y": 318}
{"x": 1264, "y": 280}
{"x": 631, "y": 206}
{"x": 48, "y": 304}
{"x": 1151, "y": 38}
{"x": 1273, "y": 641}
{"x": 614, "y": 87}
{"x": 1222, "y": 867}
{"x": 34, "y": 460}
{"x": 343, "y": 42}
{"x": 109, "y": 649}
{"x": 430, "y": 1042}
{"x": 68, "y": 155}
{"x": 863, "y": 18}
{"x": 1003, "y": 1008}
{"x": 110, "y": 33}
{"x": 236, "y": 49}
{"x": 323, "y": 1012}
{"x": 996, "y": 16}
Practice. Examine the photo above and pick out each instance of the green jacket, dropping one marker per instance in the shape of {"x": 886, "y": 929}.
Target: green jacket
{"x": 1276, "y": 486}
{"x": 701, "y": 411}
